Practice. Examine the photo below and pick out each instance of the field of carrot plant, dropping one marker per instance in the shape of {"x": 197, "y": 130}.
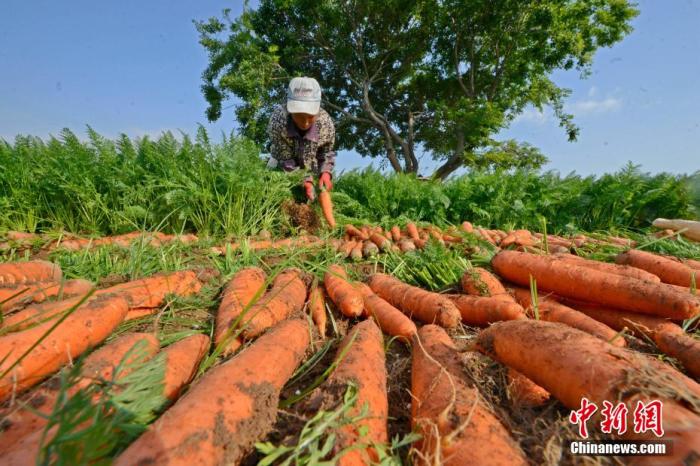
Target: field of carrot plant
{"x": 168, "y": 302}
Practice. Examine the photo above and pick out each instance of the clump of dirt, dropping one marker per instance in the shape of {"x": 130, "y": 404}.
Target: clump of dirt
{"x": 301, "y": 216}
{"x": 111, "y": 280}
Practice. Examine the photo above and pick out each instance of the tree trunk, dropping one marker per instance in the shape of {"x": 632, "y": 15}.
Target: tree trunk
{"x": 455, "y": 161}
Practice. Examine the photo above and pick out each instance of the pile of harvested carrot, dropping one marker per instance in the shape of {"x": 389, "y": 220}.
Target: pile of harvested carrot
{"x": 561, "y": 327}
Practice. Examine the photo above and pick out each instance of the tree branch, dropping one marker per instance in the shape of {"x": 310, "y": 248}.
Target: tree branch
{"x": 347, "y": 114}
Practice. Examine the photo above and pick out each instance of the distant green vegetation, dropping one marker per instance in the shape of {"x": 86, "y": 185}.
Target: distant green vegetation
{"x": 101, "y": 186}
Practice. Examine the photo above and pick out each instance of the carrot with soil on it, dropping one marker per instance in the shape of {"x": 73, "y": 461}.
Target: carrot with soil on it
{"x": 456, "y": 427}
{"x": 223, "y": 425}
{"x": 674, "y": 342}
{"x": 406, "y": 245}
{"x": 616, "y": 269}
{"x": 347, "y": 247}
{"x": 668, "y": 337}
{"x": 317, "y": 307}
{"x": 13, "y": 298}
{"x": 182, "y": 359}
{"x": 347, "y": 298}
{"x": 237, "y": 296}
{"x": 152, "y": 291}
{"x": 668, "y": 270}
{"x": 481, "y": 311}
{"x": 523, "y": 392}
{"x": 573, "y": 281}
{"x": 26, "y": 272}
{"x": 552, "y": 311}
{"x": 324, "y": 199}
{"x": 369, "y": 249}
{"x": 31, "y": 412}
{"x": 382, "y": 242}
{"x": 31, "y": 355}
{"x": 390, "y": 320}
{"x": 426, "y": 306}
{"x": 572, "y": 364}
{"x": 356, "y": 253}
{"x": 37, "y": 314}
{"x": 286, "y": 297}
{"x": 361, "y": 362}
{"x": 478, "y": 281}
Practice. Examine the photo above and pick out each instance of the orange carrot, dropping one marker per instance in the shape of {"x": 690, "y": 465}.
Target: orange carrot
{"x": 395, "y": 233}
{"x": 347, "y": 247}
{"x": 519, "y": 237}
{"x": 681, "y": 346}
{"x": 346, "y": 298}
{"x": 356, "y": 251}
{"x": 412, "y": 231}
{"x": 480, "y": 282}
{"x": 317, "y": 306}
{"x": 140, "y": 313}
{"x": 392, "y": 321}
{"x": 485, "y": 235}
{"x": 523, "y": 392}
{"x": 238, "y": 294}
{"x": 37, "y": 293}
{"x": 668, "y": 337}
{"x": 420, "y": 243}
{"x": 572, "y": 364}
{"x": 480, "y": 311}
{"x": 668, "y": 270}
{"x": 362, "y": 364}
{"x": 369, "y": 249}
{"x": 32, "y": 411}
{"x": 577, "y": 282}
{"x": 381, "y": 242}
{"x": 623, "y": 270}
{"x": 12, "y": 273}
{"x": 426, "y": 306}
{"x": 223, "y": 425}
{"x": 407, "y": 245}
{"x": 84, "y": 328}
{"x": 34, "y": 315}
{"x": 354, "y": 232}
{"x": 693, "y": 264}
{"x": 324, "y": 198}
{"x": 467, "y": 227}
{"x": 286, "y": 297}
{"x": 640, "y": 325}
{"x": 151, "y": 291}
{"x": 456, "y": 427}
{"x": 181, "y": 361}
{"x": 552, "y": 311}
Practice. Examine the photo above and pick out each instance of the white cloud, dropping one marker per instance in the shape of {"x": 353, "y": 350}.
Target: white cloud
{"x": 593, "y": 91}
{"x": 593, "y": 106}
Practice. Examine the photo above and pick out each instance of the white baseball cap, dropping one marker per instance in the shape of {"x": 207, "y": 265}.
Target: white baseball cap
{"x": 304, "y": 96}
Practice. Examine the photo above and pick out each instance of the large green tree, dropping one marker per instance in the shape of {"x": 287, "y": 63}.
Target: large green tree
{"x": 404, "y": 77}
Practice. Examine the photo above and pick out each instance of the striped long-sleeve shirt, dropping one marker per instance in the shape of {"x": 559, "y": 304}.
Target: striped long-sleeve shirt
{"x": 311, "y": 151}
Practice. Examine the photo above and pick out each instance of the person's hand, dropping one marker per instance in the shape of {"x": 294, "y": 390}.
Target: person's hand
{"x": 309, "y": 189}
{"x": 325, "y": 181}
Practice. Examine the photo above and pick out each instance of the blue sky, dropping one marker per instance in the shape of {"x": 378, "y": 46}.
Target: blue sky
{"x": 135, "y": 67}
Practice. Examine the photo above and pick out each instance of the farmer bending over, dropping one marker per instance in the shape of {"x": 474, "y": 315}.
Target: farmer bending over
{"x": 302, "y": 135}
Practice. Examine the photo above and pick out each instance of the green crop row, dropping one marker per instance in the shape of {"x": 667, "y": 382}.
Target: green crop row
{"x": 101, "y": 186}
